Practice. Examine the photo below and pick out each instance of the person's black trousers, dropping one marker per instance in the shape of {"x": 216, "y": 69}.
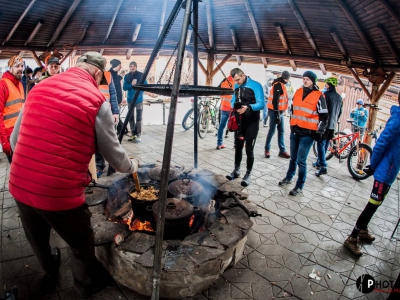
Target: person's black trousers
{"x": 74, "y": 227}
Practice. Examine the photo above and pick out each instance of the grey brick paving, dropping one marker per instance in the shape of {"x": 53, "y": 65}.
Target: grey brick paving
{"x": 294, "y": 236}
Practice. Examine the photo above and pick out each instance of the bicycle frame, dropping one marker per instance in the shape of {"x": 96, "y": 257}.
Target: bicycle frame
{"x": 355, "y": 136}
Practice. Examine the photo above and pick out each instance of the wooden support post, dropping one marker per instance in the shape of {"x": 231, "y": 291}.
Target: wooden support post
{"x": 36, "y": 58}
{"x": 210, "y": 65}
{"x": 220, "y": 65}
{"x": 361, "y": 83}
{"x": 385, "y": 86}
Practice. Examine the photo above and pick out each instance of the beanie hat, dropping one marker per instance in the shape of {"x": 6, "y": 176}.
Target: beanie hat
{"x": 311, "y": 75}
{"x": 115, "y": 63}
{"x": 133, "y": 63}
{"x": 285, "y": 75}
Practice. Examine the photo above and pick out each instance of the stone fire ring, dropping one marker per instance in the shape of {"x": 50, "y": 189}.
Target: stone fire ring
{"x": 189, "y": 266}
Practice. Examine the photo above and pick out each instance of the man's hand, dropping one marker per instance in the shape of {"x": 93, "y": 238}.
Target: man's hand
{"x": 242, "y": 110}
{"x": 318, "y": 136}
{"x": 277, "y": 117}
{"x": 115, "y": 119}
{"x": 368, "y": 170}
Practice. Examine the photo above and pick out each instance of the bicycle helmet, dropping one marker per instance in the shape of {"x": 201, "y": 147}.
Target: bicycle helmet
{"x": 360, "y": 101}
{"x": 331, "y": 80}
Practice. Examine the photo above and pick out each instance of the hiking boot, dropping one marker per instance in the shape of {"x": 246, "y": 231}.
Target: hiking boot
{"x": 246, "y": 179}
{"x": 267, "y": 154}
{"x": 296, "y": 191}
{"x": 285, "y": 181}
{"x": 132, "y": 138}
{"x": 365, "y": 236}
{"x": 316, "y": 165}
{"x": 351, "y": 244}
{"x": 221, "y": 147}
{"x": 284, "y": 154}
{"x": 235, "y": 174}
{"x": 322, "y": 171}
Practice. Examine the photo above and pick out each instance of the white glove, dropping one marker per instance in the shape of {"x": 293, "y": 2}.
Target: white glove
{"x": 134, "y": 166}
{"x": 115, "y": 119}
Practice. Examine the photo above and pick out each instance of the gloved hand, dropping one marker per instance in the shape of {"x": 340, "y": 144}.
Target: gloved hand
{"x": 277, "y": 117}
{"x": 115, "y": 119}
{"x": 368, "y": 170}
{"x": 135, "y": 165}
{"x": 238, "y": 105}
{"x": 318, "y": 136}
{"x": 6, "y": 146}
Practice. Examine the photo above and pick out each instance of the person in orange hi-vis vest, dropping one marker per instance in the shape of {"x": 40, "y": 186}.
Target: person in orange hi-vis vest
{"x": 308, "y": 122}
{"x": 11, "y": 101}
{"x": 277, "y": 105}
{"x": 225, "y": 108}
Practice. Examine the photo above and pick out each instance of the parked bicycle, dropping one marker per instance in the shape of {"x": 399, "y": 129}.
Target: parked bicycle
{"x": 209, "y": 113}
{"x": 188, "y": 119}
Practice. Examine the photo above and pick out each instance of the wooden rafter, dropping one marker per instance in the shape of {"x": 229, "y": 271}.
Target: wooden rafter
{"x": 66, "y": 56}
{"x": 64, "y": 21}
{"x": 19, "y": 21}
{"x": 255, "y": 29}
{"x": 34, "y": 32}
{"x": 113, "y": 20}
{"x": 285, "y": 44}
{"x": 357, "y": 27}
{"x": 303, "y": 25}
{"x": 203, "y": 69}
{"x": 36, "y": 58}
{"x": 162, "y": 19}
{"x": 83, "y": 33}
{"x": 339, "y": 43}
{"x": 210, "y": 24}
{"x": 389, "y": 42}
{"x": 361, "y": 83}
{"x": 136, "y": 31}
{"x": 385, "y": 86}
{"x": 391, "y": 10}
{"x": 236, "y": 45}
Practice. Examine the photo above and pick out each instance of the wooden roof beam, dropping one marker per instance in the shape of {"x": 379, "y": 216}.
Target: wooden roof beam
{"x": 355, "y": 75}
{"x": 210, "y": 24}
{"x": 235, "y": 44}
{"x": 255, "y": 29}
{"x": 389, "y": 42}
{"x": 134, "y": 38}
{"x": 19, "y": 21}
{"x": 339, "y": 43}
{"x": 83, "y": 33}
{"x": 285, "y": 44}
{"x": 303, "y": 25}
{"x": 64, "y": 21}
{"x": 385, "y": 86}
{"x": 162, "y": 19}
{"x": 391, "y": 11}
{"x": 357, "y": 27}
{"x": 36, "y": 58}
{"x": 34, "y": 32}
{"x": 113, "y": 20}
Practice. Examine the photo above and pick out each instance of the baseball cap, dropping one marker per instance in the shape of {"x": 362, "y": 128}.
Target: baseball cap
{"x": 360, "y": 101}
{"x": 97, "y": 60}
{"x": 53, "y": 60}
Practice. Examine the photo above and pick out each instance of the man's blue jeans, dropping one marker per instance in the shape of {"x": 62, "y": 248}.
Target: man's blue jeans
{"x": 222, "y": 125}
{"x": 300, "y": 146}
{"x": 322, "y": 147}
{"x": 271, "y": 132}
{"x": 265, "y": 113}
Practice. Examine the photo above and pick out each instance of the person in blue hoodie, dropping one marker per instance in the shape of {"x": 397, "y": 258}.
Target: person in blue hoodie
{"x": 385, "y": 165}
{"x": 130, "y": 80}
{"x": 248, "y": 100}
{"x": 360, "y": 117}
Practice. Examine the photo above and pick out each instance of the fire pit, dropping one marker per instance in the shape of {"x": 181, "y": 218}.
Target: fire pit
{"x": 215, "y": 238}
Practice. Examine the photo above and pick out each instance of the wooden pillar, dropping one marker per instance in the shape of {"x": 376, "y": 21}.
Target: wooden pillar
{"x": 210, "y": 65}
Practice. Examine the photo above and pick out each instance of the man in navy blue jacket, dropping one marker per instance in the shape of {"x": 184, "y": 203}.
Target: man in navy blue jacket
{"x": 248, "y": 100}
{"x": 385, "y": 165}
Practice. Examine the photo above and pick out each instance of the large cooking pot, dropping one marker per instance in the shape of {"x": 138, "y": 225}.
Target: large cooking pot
{"x": 155, "y": 173}
{"x": 142, "y": 208}
{"x": 177, "y": 218}
{"x": 185, "y": 189}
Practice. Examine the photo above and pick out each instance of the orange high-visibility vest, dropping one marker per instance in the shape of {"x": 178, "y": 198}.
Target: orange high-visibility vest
{"x": 283, "y": 99}
{"x": 226, "y": 99}
{"x": 305, "y": 114}
{"x": 104, "y": 89}
{"x": 14, "y": 103}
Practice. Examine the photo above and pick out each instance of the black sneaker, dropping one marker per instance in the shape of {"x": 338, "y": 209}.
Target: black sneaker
{"x": 235, "y": 174}
{"x": 322, "y": 171}
{"x": 296, "y": 191}
{"x": 285, "y": 181}
{"x": 246, "y": 180}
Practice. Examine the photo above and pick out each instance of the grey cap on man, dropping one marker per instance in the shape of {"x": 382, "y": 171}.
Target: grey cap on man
{"x": 97, "y": 60}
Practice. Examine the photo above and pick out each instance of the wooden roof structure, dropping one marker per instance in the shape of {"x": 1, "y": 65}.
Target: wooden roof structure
{"x": 331, "y": 35}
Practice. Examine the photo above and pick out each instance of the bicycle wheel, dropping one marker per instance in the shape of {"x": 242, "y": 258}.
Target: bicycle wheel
{"x": 188, "y": 119}
{"x": 359, "y": 157}
{"x": 328, "y": 154}
{"x": 203, "y": 123}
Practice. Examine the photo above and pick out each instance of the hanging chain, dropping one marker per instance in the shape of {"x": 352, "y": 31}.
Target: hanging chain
{"x": 167, "y": 64}
{"x": 215, "y": 61}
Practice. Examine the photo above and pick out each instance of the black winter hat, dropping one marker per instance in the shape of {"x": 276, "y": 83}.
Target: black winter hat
{"x": 311, "y": 75}
{"x": 115, "y": 63}
{"x": 285, "y": 75}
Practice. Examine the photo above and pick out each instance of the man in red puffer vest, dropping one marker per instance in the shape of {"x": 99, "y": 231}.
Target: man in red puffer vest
{"x": 64, "y": 121}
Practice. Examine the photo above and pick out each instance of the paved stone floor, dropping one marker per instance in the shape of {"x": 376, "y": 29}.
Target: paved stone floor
{"x": 295, "y": 235}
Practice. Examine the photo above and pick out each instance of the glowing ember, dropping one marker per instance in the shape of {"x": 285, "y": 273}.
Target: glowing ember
{"x": 136, "y": 225}
{"x": 191, "y": 221}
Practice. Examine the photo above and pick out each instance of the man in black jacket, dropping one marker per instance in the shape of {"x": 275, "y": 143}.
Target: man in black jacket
{"x": 116, "y": 78}
{"x": 334, "y": 104}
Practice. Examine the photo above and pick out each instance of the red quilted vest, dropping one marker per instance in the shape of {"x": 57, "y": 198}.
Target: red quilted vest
{"x": 56, "y": 142}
